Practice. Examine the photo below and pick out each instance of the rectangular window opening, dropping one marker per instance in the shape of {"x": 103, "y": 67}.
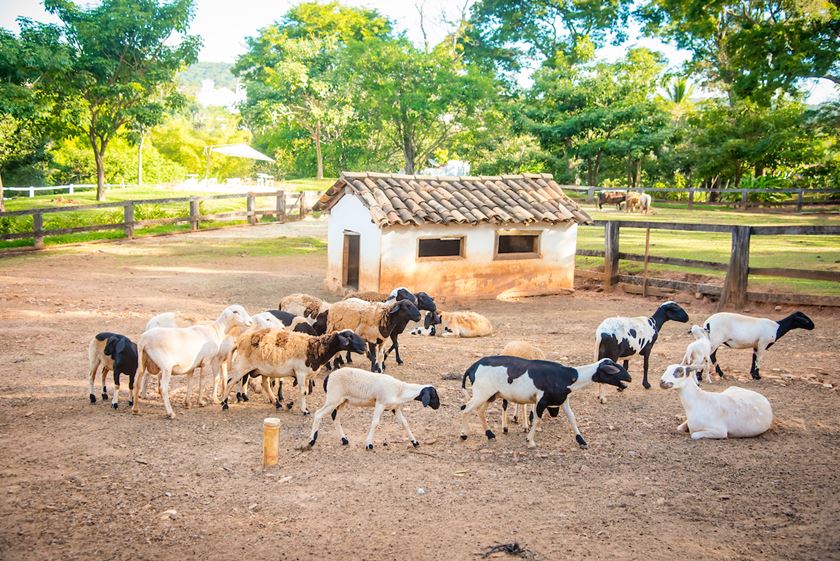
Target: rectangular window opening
{"x": 517, "y": 245}
{"x": 441, "y": 247}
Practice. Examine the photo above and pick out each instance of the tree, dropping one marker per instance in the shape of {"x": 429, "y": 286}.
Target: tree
{"x": 291, "y": 71}
{"x": 123, "y": 59}
{"x": 587, "y": 114}
{"x": 502, "y": 33}
{"x": 752, "y": 48}
{"x": 421, "y": 100}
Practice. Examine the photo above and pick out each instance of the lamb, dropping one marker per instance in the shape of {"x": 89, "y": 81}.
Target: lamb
{"x": 114, "y": 352}
{"x": 611, "y": 197}
{"x": 735, "y": 412}
{"x": 361, "y": 388}
{"x": 275, "y": 353}
{"x": 645, "y": 203}
{"x": 373, "y": 321}
{"x": 455, "y": 324}
{"x": 261, "y": 320}
{"x": 546, "y": 383}
{"x": 621, "y": 337}
{"x": 738, "y": 331}
{"x": 180, "y": 350}
{"x": 697, "y": 353}
{"x": 301, "y": 324}
{"x": 525, "y": 350}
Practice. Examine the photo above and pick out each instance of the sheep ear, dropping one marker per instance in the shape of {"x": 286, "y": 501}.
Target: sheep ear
{"x": 120, "y": 345}
{"x": 609, "y": 368}
{"x": 679, "y": 372}
{"x": 425, "y": 397}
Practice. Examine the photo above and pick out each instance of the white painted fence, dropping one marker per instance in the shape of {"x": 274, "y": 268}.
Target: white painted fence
{"x": 72, "y": 188}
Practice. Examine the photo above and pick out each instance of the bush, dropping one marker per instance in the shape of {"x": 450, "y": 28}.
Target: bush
{"x": 763, "y": 182}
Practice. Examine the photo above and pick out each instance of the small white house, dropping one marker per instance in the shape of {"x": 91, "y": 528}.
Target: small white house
{"x": 451, "y": 236}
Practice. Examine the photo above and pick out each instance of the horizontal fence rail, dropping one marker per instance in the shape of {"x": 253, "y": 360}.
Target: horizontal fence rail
{"x": 734, "y": 291}
{"x": 743, "y": 195}
{"x": 284, "y": 201}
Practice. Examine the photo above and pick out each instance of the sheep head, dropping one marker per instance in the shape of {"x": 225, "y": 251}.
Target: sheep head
{"x": 677, "y": 376}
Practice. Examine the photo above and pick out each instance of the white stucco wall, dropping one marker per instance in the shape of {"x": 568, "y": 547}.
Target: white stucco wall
{"x": 478, "y": 273}
{"x": 350, "y": 214}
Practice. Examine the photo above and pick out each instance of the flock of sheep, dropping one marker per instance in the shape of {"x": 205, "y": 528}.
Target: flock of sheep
{"x": 306, "y": 333}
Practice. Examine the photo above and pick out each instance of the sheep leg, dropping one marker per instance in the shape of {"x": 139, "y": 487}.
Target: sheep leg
{"x": 601, "y": 397}
{"x": 349, "y": 358}
{"x": 188, "y": 395}
{"x": 709, "y": 433}
{"x": 104, "y": 388}
{"x": 218, "y": 380}
{"x": 401, "y": 418}
{"x": 266, "y": 388}
{"x": 141, "y": 372}
{"x": 377, "y": 414}
{"x": 337, "y": 422}
{"x": 373, "y": 355}
{"x": 505, "y": 416}
{"x": 683, "y": 427}
{"x": 475, "y": 401}
{"x": 713, "y": 358}
{"x": 228, "y": 386}
{"x": 707, "y": 368}
{"x": 482, "y": 413}
{"x": 571, "y": 416}
{"x": 301, "y": 381}
{"x": 534, "y": 422}
{"x": 201, "y": 401}
{"x": 328, "y": 407}
{"x": 115, "y": 400}
{"x": 645, "y": 382}
{"x": 756, "y": 363}
{"x": 166, "y": 374}
{"x": 395, "y": 346}
{"x": 93, "y": 371}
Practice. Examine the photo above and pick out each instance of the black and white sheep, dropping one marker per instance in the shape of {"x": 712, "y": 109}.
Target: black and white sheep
{"x": 423, "y": 301}
{"x": 738, "y": 331}
{"x": 117, "y": 353}
{"x": 622, "y": 337}
{"x": 354, "y": 386}
{"x": 542, "y": 382}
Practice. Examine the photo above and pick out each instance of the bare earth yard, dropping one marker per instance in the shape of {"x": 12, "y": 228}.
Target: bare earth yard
{"x": 82, "y": 481}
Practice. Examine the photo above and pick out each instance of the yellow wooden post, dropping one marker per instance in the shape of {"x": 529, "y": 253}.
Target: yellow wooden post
{"x": 271, "y": 441}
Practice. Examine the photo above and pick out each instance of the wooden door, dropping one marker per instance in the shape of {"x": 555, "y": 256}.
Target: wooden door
{"x": 350, "y": 261}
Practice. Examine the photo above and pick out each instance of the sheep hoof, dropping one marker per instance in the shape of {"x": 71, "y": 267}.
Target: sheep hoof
{"x": 532, "y": 445}
{"x": 369, "y": 447}
{"x": 289, "y": 405}
{"x": 92, "y": 398}
{"x": 515, "y": 419}
{"x": 115, "y": 405}
{"x": 245, "y": 397}
{"x": 400, "y": 361}
{"x": 581, "y": 442}
{"x": 415, "y": 443}
{"x": 130, "y": 403}
{"x": 344, "y": 441}
{"x": 171, "y": 415}
{"x": 463, "y": 437}
{"x": 306, "y": 413}
{"x": 756, "y": 375}
{"x": 278, "y": 404}
{"x": 645, "y": 384}
{"x": 602, "y": 399}
{"x": 505, "y": 430}
{"x": 202, "y": 402}
{"x": 105, "y": 396}
{"x": 225, "y": 405}
{"x": 489, "y": 434}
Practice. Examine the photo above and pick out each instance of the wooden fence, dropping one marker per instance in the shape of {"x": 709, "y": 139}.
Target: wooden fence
{"x": 734, "y": 292}
{"x": 283, "y": 201}
{"x": 797, "y": 196}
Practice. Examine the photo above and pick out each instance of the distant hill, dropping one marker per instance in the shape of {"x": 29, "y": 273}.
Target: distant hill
{"x": 190, "y": 79}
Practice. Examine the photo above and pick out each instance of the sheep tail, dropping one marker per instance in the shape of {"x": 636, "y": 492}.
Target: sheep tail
{"x": 470, "y": 373}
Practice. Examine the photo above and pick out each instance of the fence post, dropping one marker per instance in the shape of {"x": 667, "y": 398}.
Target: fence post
{"x": 611, "y": 231}
{"x": 281, "y": 206}
{"x": 250, "y": 206}
{"x": 128, "y": 219}
{"x": 799, "y": 200}
{"x": 38, "y": 230}
{"x": 744, "y": 195}
{"x": 194, "y": 215}
{"x": 31, "y": 191}
{"x": 735, "y": 286}
{"x": 690, "y": 198}
{"x": 590, "y": 194}
{"x": 70, "y": 190}
{"x": 302, "y": 202}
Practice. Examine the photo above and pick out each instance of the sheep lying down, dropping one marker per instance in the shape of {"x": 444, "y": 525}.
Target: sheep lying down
{"x": 735, "y": 412}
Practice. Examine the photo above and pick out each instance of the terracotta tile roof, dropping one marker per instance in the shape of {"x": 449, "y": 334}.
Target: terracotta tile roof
{"x": 415, "y": 199}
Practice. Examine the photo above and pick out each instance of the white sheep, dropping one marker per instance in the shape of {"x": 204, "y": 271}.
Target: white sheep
{"x": 276, "y": 353}
{"x": 526, "y": 350}
{"x": 455, "y": 324}
{"x": 738, "y": 331}
{"x": 354, "y": 386}
{"x": 735, "y": 412}
{"x": 698, "y": 351}
{"x": 180, "y": 350}
{"x": 304, "y": 305}
{"x": 372, "y": 321}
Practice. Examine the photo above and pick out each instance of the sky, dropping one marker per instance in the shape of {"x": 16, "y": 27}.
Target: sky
{"x": 224, "y": 25}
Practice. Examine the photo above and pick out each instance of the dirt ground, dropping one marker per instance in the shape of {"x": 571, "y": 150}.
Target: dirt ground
{"x": 82, "y": 481}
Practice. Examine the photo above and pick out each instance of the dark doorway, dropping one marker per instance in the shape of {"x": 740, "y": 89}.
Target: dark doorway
{"x": 350, "y": 263}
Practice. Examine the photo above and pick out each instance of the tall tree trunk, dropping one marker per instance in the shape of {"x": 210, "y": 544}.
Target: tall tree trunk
{"x": 759, "y": 170}
{"x": 2, "y": 203}
{"x": 140, "y": 161}
{"x": 99, "y": 156}
{"x": 318, "y": 155}
{"x": 637, "y": 177}
{"x": 409, "y": 153}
